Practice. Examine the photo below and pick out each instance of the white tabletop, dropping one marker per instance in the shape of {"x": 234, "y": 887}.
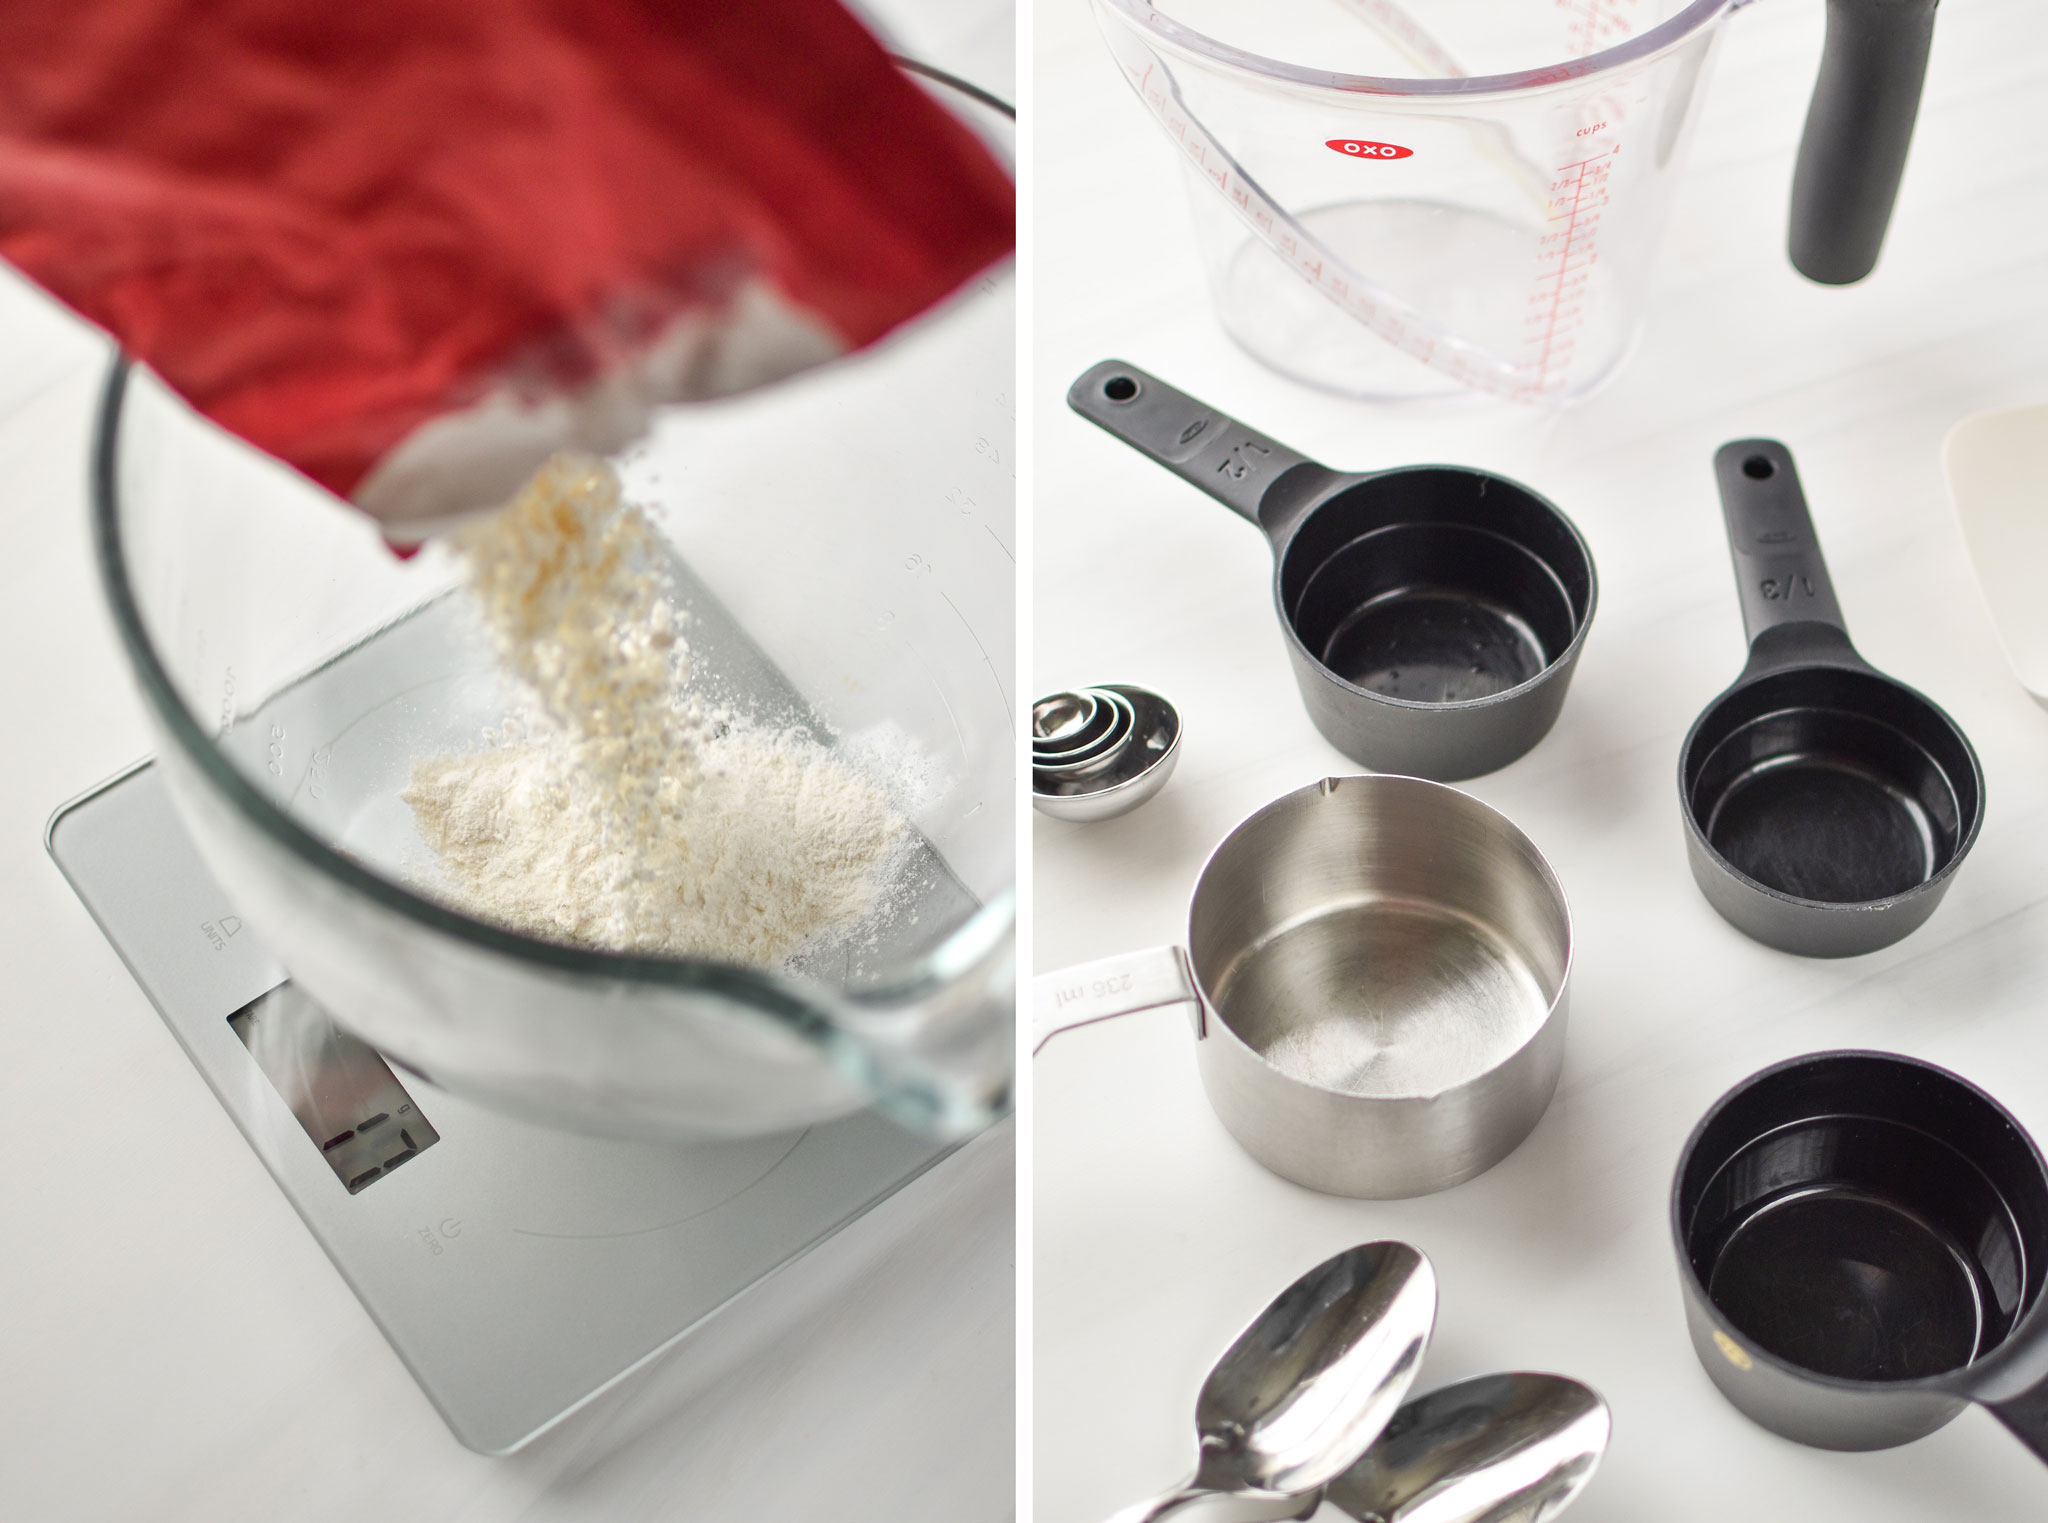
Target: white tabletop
{"x": 1156, "y": 1238}
{"x": 175, "y": 1344}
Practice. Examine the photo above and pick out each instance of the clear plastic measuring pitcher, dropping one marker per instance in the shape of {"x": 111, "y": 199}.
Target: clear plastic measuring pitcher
{"x": 1402, "y": 200}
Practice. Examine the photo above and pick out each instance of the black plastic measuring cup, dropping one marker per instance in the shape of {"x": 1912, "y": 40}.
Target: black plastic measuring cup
{"x": 1826, "y": 805}
{"x": 1862, "y": 1240}
{"x": 1433, "y": 613}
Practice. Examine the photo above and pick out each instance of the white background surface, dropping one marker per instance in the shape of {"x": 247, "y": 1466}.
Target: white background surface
{"x": 176, "y": 1346}
{"x": 1156, "y": 1238}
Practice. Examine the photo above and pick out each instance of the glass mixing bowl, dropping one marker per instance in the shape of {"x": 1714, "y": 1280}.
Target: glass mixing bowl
{"x": 842, "y": 548}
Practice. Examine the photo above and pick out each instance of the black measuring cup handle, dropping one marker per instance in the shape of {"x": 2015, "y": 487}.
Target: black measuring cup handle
{"x": 1238, "y": 466}
{"x": 2012, "y": 1382}
{"x": 1789, "y": 612}
{"x": 2027, "y": 1417}
{"x": 1853, "y": 150}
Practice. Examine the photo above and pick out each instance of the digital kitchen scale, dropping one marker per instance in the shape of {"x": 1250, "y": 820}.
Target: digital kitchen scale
{"x": 517, "y": 1270}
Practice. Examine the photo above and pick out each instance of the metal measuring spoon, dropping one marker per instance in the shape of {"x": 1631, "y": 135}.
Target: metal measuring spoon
{"x": 1305, "y": 1389}
{"x": 1117, "y": 781}
{"x": 1065, "y": 721}
{"x": 1098, "y": 754}
{"x": 1498, "y": 1449}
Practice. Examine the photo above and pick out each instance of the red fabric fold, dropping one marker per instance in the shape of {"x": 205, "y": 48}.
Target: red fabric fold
{"x": 328, "y": 224}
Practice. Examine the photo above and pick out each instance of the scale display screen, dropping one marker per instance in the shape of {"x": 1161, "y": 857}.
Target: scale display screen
{"x": 350, "y": 1103}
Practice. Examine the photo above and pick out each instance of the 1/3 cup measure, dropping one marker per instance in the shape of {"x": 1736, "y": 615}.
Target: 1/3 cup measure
{"x": 1403, "y": 199}
{"x": 1827, "y": 806}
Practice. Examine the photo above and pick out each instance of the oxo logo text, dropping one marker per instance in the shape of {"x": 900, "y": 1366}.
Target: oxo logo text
{"x": 1358, "y": 148}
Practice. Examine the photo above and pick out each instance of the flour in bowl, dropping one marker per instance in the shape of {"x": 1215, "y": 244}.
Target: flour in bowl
{"x": 628, "y": 815}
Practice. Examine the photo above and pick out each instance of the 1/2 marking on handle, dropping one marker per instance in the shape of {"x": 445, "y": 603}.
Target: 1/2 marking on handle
{"x": 1238, "y": 464}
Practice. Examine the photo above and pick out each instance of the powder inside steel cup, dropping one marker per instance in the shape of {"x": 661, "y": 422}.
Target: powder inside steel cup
{"x": 1384, "y": 962}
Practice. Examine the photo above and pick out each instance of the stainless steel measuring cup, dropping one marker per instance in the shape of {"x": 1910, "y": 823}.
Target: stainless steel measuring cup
{"x": 1378, "y": 968}
{"x": 1434, "y": 614}
{"x": 1403, "y": 197}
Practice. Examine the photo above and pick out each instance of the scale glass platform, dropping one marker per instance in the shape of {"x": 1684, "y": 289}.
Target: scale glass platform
{"x": 517, "y": 1270}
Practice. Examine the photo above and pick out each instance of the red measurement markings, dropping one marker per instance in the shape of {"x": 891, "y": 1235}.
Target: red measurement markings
{"x": 1398, "y": 25}
{"x": 1565, "y": 257}
{"x": 1595, "y": 24}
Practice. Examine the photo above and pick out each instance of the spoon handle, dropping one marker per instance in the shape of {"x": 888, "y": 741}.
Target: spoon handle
{"x": 1161, "y": 1507}
{"x": 1198, "y": 1504}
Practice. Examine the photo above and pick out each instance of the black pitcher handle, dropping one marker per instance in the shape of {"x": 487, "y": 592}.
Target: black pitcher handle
{"x": 1236, "y": 465}
{"x": 1779, "y": 573}
{"x": 1853, "y": 150}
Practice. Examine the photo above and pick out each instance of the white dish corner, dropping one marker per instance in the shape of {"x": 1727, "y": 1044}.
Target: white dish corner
{"x": 1997, "y": 469}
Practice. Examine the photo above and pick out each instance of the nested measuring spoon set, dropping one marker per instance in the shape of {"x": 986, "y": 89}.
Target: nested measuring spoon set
{"x": 1378, "y": 965}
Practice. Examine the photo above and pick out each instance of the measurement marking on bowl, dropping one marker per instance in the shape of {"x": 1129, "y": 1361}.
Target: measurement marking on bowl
{"x": 1406, "y": 329}
{"x": 1596, "y": 24}
{"x": 1407, "y": 34}
{"x": 1000, "y": 687}
{"x": 1565, "y": 257}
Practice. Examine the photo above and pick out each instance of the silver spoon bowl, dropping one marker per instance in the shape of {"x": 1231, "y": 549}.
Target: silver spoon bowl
{"x": 1099, "y": 752}
{"x": 1305, "y": 1390}
{"x": 1067, "y": 721}
{"x": 1497, "y": 1449}
{"x": 1136, "y": 771}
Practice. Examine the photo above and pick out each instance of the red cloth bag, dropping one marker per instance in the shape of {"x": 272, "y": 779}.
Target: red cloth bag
{"x": 412, "y": 246}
